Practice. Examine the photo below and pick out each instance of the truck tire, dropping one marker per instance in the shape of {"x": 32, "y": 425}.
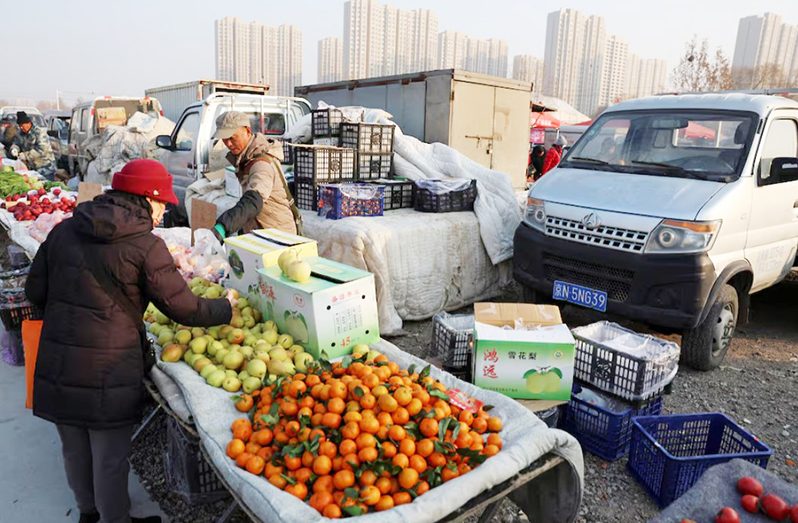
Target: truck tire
{"x": 705, "y": 346}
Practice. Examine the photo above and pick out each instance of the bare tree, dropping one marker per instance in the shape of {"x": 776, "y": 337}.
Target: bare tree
{"x": 700, "y": 71}
{"x": 762, "y": 77}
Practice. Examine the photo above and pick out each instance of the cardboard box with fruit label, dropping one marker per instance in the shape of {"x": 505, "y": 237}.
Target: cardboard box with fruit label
{"x": 329, "y": 314}
{"x": 260, "y": 248}
{"x": 523, "y": 351}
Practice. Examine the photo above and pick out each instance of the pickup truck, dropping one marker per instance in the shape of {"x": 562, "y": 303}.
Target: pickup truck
{"x": 671, "y": 210}
{"x": 190, "y": 151}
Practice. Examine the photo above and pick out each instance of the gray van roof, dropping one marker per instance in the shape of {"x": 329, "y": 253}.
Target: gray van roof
{"x": 757, "y": 103}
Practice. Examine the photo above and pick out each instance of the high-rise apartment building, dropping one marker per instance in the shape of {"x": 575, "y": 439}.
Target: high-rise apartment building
{"x": 564, "y": 51}
{"x": 331, "y": 60}
{"x": 766, "y": 52}
{"x": 452, "y": 50}
{"x": 383, "y": 40}
{"x": 613, "y": 71}
{"x": 528, "y": 68}
{"x": 255, "y": 53}
{"x": 644, "y": 77}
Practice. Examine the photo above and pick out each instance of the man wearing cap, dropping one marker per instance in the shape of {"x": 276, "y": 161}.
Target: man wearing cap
{"x": 554, "y": 155}
{"x": 266, "y": 201}
{"x": 34, "y": 146}
{"x": 93, "y": 277}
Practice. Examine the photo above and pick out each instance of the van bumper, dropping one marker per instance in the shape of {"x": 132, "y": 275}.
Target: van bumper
{"x": 661, "y": 290}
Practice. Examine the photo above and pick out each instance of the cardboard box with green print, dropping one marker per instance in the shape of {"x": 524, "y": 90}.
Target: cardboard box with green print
{"x": 328, "y": 315}
{"x": 523, "y": 351}
{"x": 249, "y": 252}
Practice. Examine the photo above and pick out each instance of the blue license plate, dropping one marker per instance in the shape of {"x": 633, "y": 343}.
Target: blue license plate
{"x": 584, "y": 296}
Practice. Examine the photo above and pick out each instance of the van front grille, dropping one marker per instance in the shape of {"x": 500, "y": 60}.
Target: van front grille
{"x": 602, "y": 236}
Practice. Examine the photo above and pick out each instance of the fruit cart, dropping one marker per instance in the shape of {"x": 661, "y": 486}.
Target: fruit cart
{"x": 540, "y": 469}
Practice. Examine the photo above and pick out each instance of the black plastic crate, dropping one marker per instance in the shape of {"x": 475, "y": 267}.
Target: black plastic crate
{"x": 288, "y": 152}
{"x": 453, "y": 339}
{"x": 425, "y": 200}
{"x": 373, "y": 166}
{"x": 187, "y": 471}
{"x": 324, "y": 164}
{"x": 326, "y": 123}
{"x": 398, "y": 193}
{"x": 369, "y": 138}
{"x": 14, "y": 304}
{"x": 306, "y": 195}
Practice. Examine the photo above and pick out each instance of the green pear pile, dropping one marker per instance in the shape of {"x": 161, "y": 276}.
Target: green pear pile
{"x": 235, "y": 356}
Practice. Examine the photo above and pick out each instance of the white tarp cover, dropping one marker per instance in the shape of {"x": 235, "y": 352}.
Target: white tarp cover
{"x": 413, "y": 159}
{"x": 118, "y": 144}
{"x": 553, "y": 497}
{"x": 421, "y": 265}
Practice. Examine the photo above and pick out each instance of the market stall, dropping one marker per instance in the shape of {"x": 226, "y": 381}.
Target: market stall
{"x": 422, "y": 263}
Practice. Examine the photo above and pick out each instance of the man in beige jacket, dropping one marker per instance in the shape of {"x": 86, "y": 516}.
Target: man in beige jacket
{"x": 266, "y": 201}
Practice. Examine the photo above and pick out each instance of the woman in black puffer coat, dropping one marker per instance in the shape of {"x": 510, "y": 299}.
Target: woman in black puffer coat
{"x": 89, "y": 371}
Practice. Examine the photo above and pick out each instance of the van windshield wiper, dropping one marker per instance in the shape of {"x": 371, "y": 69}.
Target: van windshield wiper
{"x": 671, "y": 168}
{"x": 591, "y": 160}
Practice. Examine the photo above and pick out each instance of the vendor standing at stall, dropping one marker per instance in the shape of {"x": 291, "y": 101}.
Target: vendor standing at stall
{"x": 93, "y": 277}
{"x": 35, "y": 150}
{"x": 266, "y": 201}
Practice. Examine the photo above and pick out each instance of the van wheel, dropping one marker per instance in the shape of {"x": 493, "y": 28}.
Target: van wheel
{"x": 704, "y": 347}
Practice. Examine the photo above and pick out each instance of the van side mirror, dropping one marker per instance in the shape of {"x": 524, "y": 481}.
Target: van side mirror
{"x": 164, "y": 141}
{"x": 783, "y": 170}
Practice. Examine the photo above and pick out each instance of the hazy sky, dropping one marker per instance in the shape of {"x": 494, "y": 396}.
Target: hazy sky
{"x": 107, "y": 47}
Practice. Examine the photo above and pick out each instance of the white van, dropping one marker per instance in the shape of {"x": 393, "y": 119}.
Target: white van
{"x": 671, "y": 210}
{"x": 191, "y": 151}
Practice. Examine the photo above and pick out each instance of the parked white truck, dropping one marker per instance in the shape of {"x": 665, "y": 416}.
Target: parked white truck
{"x": 190, "y": 151}
{"x": 175, "y": 98}
{"x": 671, "y": 210}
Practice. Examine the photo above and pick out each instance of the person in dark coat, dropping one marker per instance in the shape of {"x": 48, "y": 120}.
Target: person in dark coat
{"x": 90, "y": 365}
{"x": 538, "y": 154}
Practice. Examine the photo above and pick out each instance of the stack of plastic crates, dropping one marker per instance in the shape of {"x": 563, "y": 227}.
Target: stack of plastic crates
{"x": 187, "y": 471}
{"x": 620, "y": 374}
{"x": 14, "y": 309}
{"x": 373, "y": 146}
{"x": 342, "y": 200}
{"x": 453, "y": 342}
{"x": 668, "y": 454}
{"x": 326, "y": 126}
{"x": 317, "y": 165}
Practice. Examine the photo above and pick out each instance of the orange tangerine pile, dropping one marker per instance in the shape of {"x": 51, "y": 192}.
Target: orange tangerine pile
{"x": 355, "y": 437}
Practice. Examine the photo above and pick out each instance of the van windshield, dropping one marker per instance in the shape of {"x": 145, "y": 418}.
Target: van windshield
{"x": 710, "y": 145}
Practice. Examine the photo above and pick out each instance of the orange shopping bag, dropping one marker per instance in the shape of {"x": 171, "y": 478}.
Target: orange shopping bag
{"x": 31, "y": 332}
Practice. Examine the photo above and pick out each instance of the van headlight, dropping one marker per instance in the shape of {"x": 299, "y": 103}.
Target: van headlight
{"x": 677, "y": 236}
{"x": 535, "y": 213}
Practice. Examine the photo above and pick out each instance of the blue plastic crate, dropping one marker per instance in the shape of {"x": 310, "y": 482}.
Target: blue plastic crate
{"x": 604, "y": 431}
{"x": 668, "y": 454}
{"x": 343, "y": 200}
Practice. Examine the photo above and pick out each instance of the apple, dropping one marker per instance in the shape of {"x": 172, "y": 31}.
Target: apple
{"x": 243, "y": 375}
{"x": 155, "y": 328}
{"x": 251, "y": 384}
{"x": 172, "y": 353}
{"x": 247, "y": 351}
{"x": 214, "y": 347}
{"x": 220, "y": 354}
{"x": 197, "y": 332}
{"x": 183, "y": 337}
{"x": 233, "y": 360}
{"x": 224, "y": 331}
{"x": 200, "y": 363}
{"x": 256, "y": 368}
{"x": 165, "y": 337}
{"x": 213, "y": 332}
{"x": 237, "y": 322}
{"x": 231, "y": 373}
{"x": 236, "y": 336}
{"x": 216, "y": 378}
{"x": 231, "y": 384}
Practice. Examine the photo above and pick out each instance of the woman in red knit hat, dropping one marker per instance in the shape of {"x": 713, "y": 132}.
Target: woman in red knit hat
{"x": 93, "y": 277}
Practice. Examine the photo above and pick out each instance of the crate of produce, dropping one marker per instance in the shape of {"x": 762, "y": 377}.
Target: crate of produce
{"x": 324, "y": 164}
{"x": 306, "y": 194}
{"x": 601, "y": 423}
{"x": 343, "y": 200}
{"x": 288, "y": 152}
{"x": 668, "y": 454}
{"x": 373, "y": 166}
{"x": 187, "y": 471}
{"x": 326, "y": 123}
{"x": 444, "y": 195}
{"x": 398, "y": 192}
{"x": 14, "y": 304}
{"x": 622, "y": 362}
{"x": 368, "y": 138}
{"x": 453, "y": 339}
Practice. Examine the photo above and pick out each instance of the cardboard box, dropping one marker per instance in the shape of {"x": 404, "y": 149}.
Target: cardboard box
{"x": 535, "y": 361}
{"x": 330, "y": 314}
{"x": 260, "y": 248}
